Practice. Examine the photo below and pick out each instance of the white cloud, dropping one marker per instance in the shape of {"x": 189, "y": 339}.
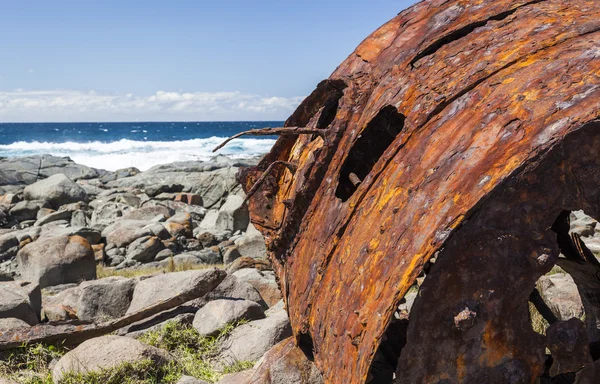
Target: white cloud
{"x": 71, "y": 105}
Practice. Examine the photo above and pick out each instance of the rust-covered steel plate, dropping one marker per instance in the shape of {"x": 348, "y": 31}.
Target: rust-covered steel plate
{"x": 430, "y": 116}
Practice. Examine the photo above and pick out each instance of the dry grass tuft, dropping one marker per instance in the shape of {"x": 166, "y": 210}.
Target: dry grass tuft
{"x": 172, "y": 266}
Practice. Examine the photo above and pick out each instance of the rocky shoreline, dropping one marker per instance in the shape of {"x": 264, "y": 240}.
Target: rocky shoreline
{"x": 82, "y": 247}
{"x": 87, "y": 246}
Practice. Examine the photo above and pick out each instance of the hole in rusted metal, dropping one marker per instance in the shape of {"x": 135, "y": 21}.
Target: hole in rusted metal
{"x": 329, "y": 111}
{"x": 325, "y": 98}
{"x": 305, "y": 343}
{"x": 569, "y": 292}
{"x": 378, "y": 135}
{"x": 385, "y": 362}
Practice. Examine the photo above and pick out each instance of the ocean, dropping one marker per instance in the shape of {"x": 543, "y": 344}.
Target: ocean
{"x": 112, "y": 146}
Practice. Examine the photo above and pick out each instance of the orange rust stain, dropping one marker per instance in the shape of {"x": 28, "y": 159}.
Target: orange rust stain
{"x": 461, "y": 367}
{"x": 496, "y": 349}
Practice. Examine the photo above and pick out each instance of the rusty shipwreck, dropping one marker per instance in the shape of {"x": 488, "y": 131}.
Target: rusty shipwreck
{"x": 461, "y": 132}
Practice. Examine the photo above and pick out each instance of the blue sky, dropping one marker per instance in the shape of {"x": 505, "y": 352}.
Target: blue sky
{"x": 173, "y": 60}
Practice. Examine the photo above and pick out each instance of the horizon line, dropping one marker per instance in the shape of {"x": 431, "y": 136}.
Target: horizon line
{"x": 140, "y": 121}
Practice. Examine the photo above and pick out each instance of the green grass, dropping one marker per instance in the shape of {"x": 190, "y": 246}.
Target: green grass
{"x": 141, "y": 372}
{"x": 29, "y": 364}
{"x": 538, "y": 323}
{"x": 555, "y": 270}
{"x": 238, "y": 367}
{"x": 193, "y": 355}
{"x": 103, "y": 271}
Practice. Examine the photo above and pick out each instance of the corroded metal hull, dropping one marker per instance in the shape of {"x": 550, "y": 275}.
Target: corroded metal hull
{"x": 458, "y": 128}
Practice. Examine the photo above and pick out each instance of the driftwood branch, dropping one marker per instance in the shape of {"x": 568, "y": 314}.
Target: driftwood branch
{"x": 263, "y": 177}
{"x": 70, "y": 334}
{"x": 274, "y": 131}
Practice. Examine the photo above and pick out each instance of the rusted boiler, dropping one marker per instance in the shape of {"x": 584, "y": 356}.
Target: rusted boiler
{"x": 461, "y": 131}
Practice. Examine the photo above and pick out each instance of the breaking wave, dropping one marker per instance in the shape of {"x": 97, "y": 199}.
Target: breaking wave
{"x": 140, "y": 154}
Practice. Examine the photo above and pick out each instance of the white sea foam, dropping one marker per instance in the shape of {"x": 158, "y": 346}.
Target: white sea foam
{"x": 139, "y": 154}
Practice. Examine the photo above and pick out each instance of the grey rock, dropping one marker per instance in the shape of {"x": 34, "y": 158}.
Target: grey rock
{"x": 233, "y": 288}
{"x": 233, "y": 215}
{"x": 213, "y": 186}
{"x": 191, "y": 380}
{"x": 125, "y": 264}
{"x": 589, "y": 230}
{"x": 287, "y": 364}
{"x": 165, "y": 196}
{"x": 106, "y": 352}
{"x": 407, "y": 303}
{"x": 61, "y": 306}
{"x": 149, "y": 213}
{"x": 237, "y": 378}
{"x": 12, "y": 323}
{"x": 116, "y": 260}
{"x": 119, "y": 174}
{"x": 124, "y": 232}
{"x": 183, "y": 259}
{"x": 163, "y": 255}
{"x": 56, "y": 289}
{"x": 231, "y": 254}
{"x": 176, "y": 230}
{"x": 561, "y": 295}
{"x": 9, "y": 246}
{"x": 44, "y": 212}
{"x": 79, "y": 219}
{"x": 27, "y": 210}
{"x": 57, "y": 189}
{"x": 193, "y": 244}
{"x": 28, "y": 233}
{"x": 158, "y": 230}
{"x": 252, "y": 244}
{"x": 187, "y": 176}
{"x": 250, "y": 341}
{"x": 105, "y": 299}
{"x": 207, "y": 239}
{"x": 54, "y": 216}
{"x": 209, "y": 223}
{"x": 26, "y": 224}
{"x": 107, "y": 213}
{"x": 263, "y": 282}
{"x": 91, "y": 235}
{"x": 56, "y": 224}
{"x": 9, "y": 199}
{"x": 28, "y": 170}
{"x": 3, "y": 216}
{"x": 144, "y": 249}
{"x": 80, "y": 205}
{"x": 20, "y": 300}
{"x": 91, "y": 190}
{"x": 582, "y": 224}
{"x": 218, "y": 313}
{"x": 157, "y": 189}
{"x": 206, "y": 256}
{"x": 183, "y": 219}
{"x": 196, "y": 212}
{"x": 128, "y": 199}
{"x": 165, "y": 286}
{"x": 57, "y": 260}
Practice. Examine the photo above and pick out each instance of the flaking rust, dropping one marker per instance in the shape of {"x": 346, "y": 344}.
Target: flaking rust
{"x": 462, "y": 128}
